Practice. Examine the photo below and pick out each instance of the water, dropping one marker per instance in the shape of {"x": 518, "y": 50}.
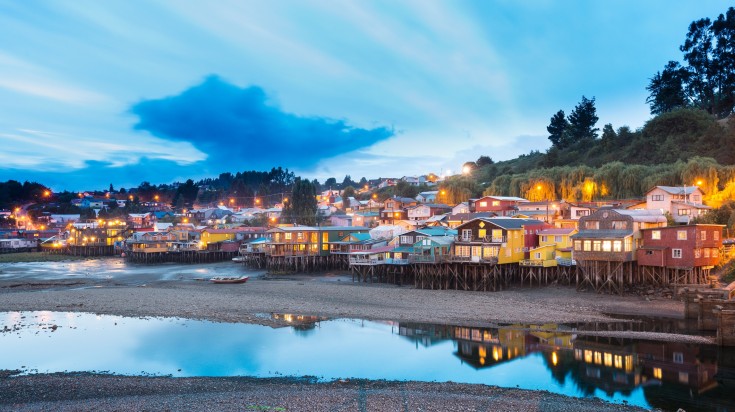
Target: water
{"x": 556, "y": 358}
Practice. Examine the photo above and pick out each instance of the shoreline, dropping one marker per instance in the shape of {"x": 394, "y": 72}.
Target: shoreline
{"x": 174, "y": 291}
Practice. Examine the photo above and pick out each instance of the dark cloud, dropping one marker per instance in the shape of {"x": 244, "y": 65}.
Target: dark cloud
{"x": 239, "y": 128}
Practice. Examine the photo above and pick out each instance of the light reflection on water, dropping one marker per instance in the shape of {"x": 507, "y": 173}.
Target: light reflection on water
{"x": 644, "y": 373}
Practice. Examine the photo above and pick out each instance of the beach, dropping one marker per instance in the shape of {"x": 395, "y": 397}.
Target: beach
{"x": 183, "y": 291}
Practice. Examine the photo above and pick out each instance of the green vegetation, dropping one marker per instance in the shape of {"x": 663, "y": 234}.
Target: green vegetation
{"x": 37, "y": 257}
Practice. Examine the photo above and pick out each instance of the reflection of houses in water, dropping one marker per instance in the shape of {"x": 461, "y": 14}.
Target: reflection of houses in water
{"x": 610, "y": 364}
{"x": 482, "y": 347}
{"x": 425, "y": 334}
{"x": 693, "y": 366}
{"x": 299, "y": 322}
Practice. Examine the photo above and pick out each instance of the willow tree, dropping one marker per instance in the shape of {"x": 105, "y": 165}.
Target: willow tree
{"x": 302, "y": 207}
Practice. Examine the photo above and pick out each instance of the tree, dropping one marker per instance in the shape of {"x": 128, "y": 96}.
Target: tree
{"x": 556, "y": 128}
{"x": 347, "y": 182}
{"x": 347, "y": 193}
{"x": 485, "y": 160}
{"x": 404, "y": 189}
{"x": 667, "y": 89}
{"x": 330, "y": 183}
{"x": 582, "y": 121}
{"x": 302, "y": 207}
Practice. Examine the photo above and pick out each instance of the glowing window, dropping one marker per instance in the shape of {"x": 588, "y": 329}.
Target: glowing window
{"x": 656, "y": 234}
{"x": 657, "y": 373}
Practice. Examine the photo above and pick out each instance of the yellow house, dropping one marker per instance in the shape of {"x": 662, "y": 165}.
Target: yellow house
{"x": 554, "y": 245}
{"x": 218, "y": 235}
{"x": 496, "y": 240}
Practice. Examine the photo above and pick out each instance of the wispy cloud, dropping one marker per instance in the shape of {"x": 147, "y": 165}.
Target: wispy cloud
{"x": 241, "y": 128}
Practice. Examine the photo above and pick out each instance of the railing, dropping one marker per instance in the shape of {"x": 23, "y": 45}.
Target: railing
{"x": 365, "y": 261}
{"x": 472, "y": 259}
{"x": 531, "y": 262}
{"x": 566, "y": 262}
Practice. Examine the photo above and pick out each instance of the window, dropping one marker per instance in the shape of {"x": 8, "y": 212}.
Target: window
{"x": 596, "y": 245}
{"x": 681, "y": 235}
{"x": 619, "y": 225}
{"x": 715, "y": 253}
{"x": 617, "y": 246}
{"x": 481, "y": 233}
{"x": 607, "y": 246}
{"x": 537, "y": 255}
{"x": 587, "y": 245}
{"x": 697, "y": 198}
{"x": 483, "y": 204}
{"x": 704, "y": 235}
{"x": 697, "y": 253}
{"x": 543, "y": 238}
{"x": 496, "y": 203}
{"x": 287, "y": 236}
{"x": 683, "y": 377}
{"x": 580, "y": 213}
{"x": 657, "y": 373}
{"x": 656, "y": 234}
{"x": 676, "y": 253}
{"x": 466, "y": 234}
{"x": 684, "y": 212}
{"x": 300, "y": 236}
{"x": 592, "y": 224}
{"x": 557, "y": 239}
{"x": 577, "y": 245}
{"x": 628, "y": 244}
{"x": 463, "y": 251}
{"x": 706, "y": 252}
{"x": 657, "y": 198}
{"x": 716, "y": 235}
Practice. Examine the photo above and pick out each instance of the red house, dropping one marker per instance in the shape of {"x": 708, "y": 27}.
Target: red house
{"x": 500, "y": 205}
{"x": 691, "y": 246}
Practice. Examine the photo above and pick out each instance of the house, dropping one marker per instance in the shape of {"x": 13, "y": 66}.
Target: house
{"x": 414, "y": 180}
{"x": 496, "y": 240}
{"x": 432, "y": 249}
{"x": 683, "y": 203}
{"x": 121, "y": 202}
{"x": 141, "y": 220}
{"x": 367, "y": 219}
{"x": 690, "y": 246}
{"x": 605, "y": 247}
{"x": 89, "y": 202}
{"x": 340, "y": 220}
{"x": 547, "y": 211}
{"x": 427, "y": 197}
{"x": 613, "y": 234}
{"x": 307, "y": 240}
{"x": 500, "y": 205}
{"x": 425, "y": 211}
{"x": 386, "y": 231}
{"x": 395, "y": 209}
{"x": 408, "y": 239}
{"x": 555, "y": 247}
{"x": 60, "y": 220}
{"x": 355, "y": 242}
{"x": 456, "y": 219}
{"x": 463, "y": 207}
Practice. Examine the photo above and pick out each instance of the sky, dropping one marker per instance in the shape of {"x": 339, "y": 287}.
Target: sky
{"x": 94, "y": 93}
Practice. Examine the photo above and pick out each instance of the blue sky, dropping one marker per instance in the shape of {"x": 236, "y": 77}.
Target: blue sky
{"x": 122, "y": 91}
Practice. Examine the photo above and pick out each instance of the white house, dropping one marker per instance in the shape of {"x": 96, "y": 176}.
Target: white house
{"x": 427, "y": 197}
{"x": 683, "y": 203}
{"x": 463, "y": 207}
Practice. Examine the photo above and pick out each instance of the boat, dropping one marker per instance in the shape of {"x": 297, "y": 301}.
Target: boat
{"x": 229, "y": 279}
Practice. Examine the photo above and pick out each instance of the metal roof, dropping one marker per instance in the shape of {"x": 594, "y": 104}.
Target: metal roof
{"x": 677, "y": 190}
{"x": 602, "y": 234}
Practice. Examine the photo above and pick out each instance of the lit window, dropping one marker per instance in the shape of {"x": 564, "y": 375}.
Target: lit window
{"x": 598, "y": 358}
{"x": 496, "y": 203}
{"x": 287, "y": 236}
{"x": 587, "y": 245}
{"x": 684, "y": 212}
{"x": 706, "y": 252}
{"x": 617, "y": 246}
{"x": 656, "y": 234}
{"x": 681, "y": 235}
{"x": 577, "y": 245}
{"x": 676, "y": 253}
{"x": 592, "y": 224}
{"x": 606, "y": 246}
{"x": 683, "y": 377}
{"x": 608, "y": 359}
{"x": 704, "y": 235}
{"x": 483, "y": 204}
{"x": 697, "y": 253}
{"x": 716, "y": 235}
{"x": 657, "y": 373}
{"x": 596, "y": 245}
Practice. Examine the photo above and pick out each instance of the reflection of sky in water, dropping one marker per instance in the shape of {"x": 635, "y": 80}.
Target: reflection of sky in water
{"x": 335, "y": 349}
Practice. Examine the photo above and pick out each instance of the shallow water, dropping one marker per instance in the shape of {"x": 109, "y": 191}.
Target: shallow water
{"x": 556, "y": 358}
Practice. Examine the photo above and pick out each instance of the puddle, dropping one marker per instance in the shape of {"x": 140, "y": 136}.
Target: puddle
{"x": 555, "y": 358}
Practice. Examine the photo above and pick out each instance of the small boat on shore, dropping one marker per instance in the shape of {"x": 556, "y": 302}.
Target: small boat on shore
{"x": 229, "y": 279}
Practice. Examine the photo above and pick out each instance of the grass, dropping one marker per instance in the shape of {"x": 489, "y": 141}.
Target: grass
{"x": 36, "y": 257}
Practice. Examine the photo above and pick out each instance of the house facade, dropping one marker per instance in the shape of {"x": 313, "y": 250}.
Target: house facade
{"x": 683, "y": 203}
{"x": 500, "y": 205}
{"x": 681, "y": 246}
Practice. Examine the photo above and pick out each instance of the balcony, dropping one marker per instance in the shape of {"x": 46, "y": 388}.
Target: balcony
{"x": 472, "y": 259}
